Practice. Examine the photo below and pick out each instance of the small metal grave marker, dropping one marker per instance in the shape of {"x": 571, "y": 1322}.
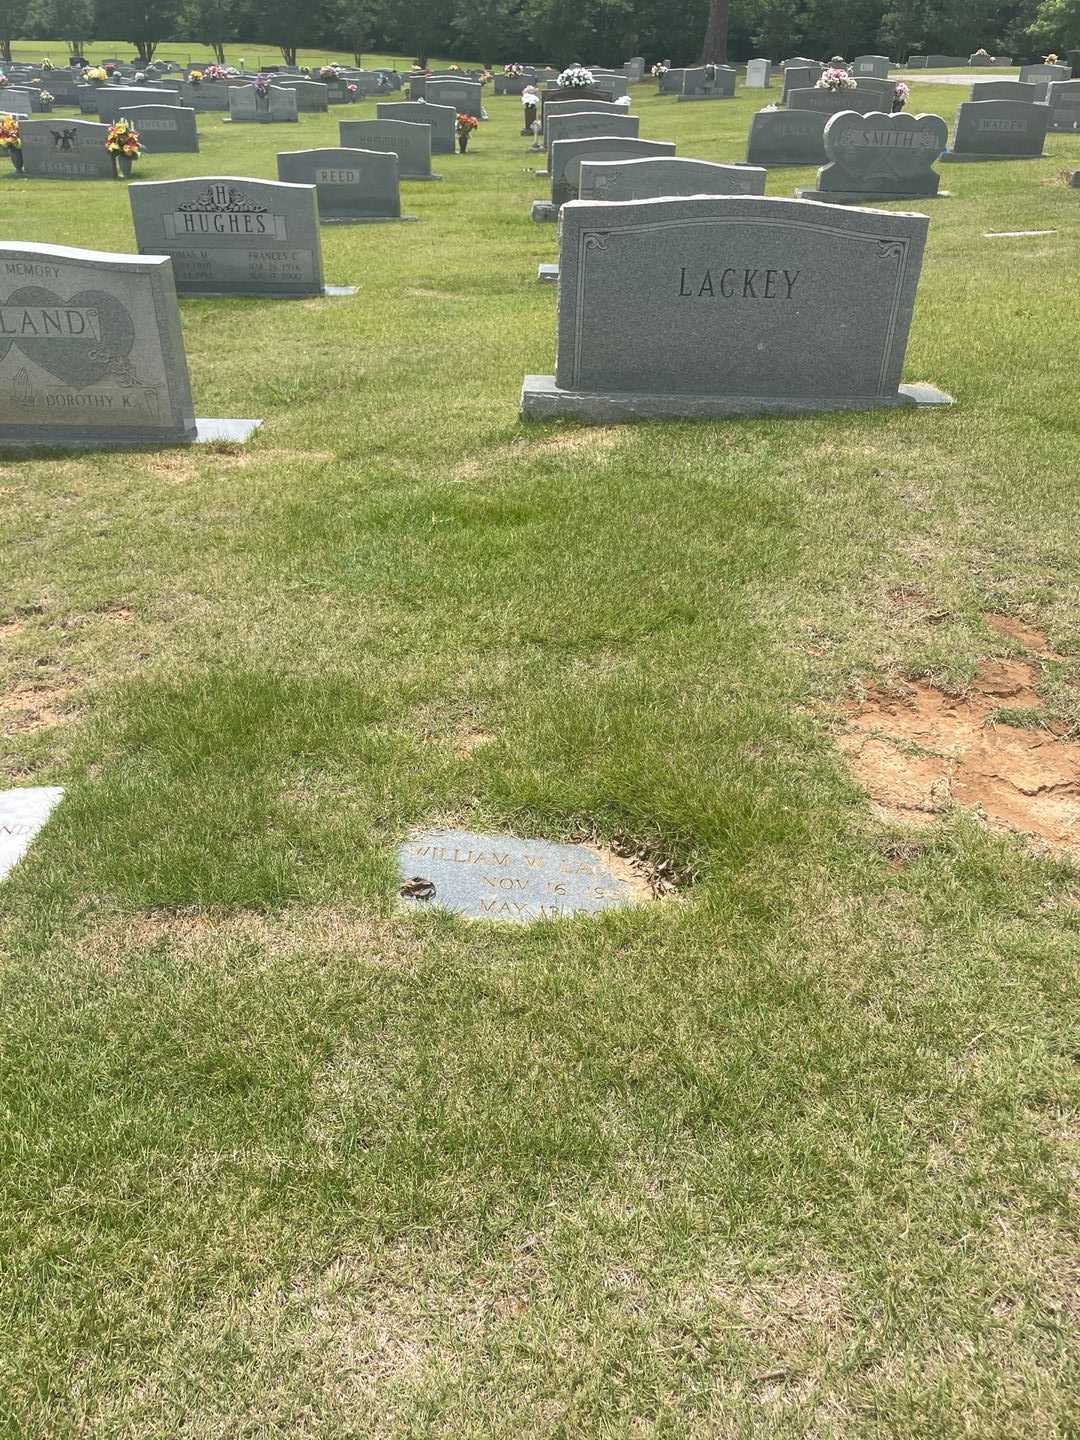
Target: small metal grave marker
{"x": 499, "y": 877}
{"x": 23, "y": 812}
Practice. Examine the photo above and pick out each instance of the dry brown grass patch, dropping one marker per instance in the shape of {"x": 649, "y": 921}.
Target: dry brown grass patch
{"x": 33, "y": 709}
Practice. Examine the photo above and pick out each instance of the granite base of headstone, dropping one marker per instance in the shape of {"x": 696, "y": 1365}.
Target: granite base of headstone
{"x": 738, "y": 298}
{"x": 501, "y": 877}
{"x": 92, "y": 355}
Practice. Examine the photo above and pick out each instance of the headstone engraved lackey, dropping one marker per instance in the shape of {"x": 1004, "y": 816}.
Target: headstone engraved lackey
{"x": 500, "y": 877}
{"x": 232, "y": 235}
{"x": 738, "y": 298}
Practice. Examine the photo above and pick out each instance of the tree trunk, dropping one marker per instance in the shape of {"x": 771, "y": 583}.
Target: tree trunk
{"x": 5, "y": 50}
{"x": 288, "y": 54}
{"x": 714, "y": 49}
{"x": 219, "y": 52}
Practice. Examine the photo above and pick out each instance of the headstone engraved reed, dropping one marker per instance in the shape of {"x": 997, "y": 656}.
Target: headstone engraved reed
{"x": 352, "y": 187}
{"x": 738, "y": 298}
{"x": 232, "y": 235}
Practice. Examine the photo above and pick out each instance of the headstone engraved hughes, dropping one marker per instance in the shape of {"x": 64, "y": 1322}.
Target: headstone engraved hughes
{"x": 165, "y": 129}
{"x": 23, "y": 814}
{"x": 441, "y": 118}
{"x": 738, "y": 296}
{"x": 998, "y": 130}
{"x": 90, "y": 350}
{"x": 410, "y": 142}
{"x": 499, "y": 877}
{"x": 65, "y": 150}
{"x": 880, "y": 157}
{"x": 231, "y": 235}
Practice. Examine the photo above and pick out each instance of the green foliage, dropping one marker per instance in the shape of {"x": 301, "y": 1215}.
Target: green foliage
{"x": 1056, "y": 24}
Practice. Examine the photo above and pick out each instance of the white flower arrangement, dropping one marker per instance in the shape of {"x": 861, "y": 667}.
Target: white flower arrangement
{"x": 574, "y": 78}
{"x": 659, "y": 71}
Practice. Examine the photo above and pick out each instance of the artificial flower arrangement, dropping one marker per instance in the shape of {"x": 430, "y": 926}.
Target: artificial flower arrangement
{"x": 901, "y": 95}
{"x": 574, "y": 78}
{"x": 351, "y": 89}
{"x": 486, "y": 77}
{"x": 46, "y": 64}
{"x": 95, "y": 75}
{"x": 329, "y": 72}
{"x": 981, "y": 55}
{"x": 10, "y": 139}
{"x": 514, "y": 71}
{"x": 123, "y": 139}
{"x": 262, "y": 86}
{"x": 1050, "y": 60}
{"x": 659, "y": 71}
{"x": 835, "y": 79}
{"x": 218, "y": 73}
{"x": 109, "y": 67}
{"x": 464, "y": 126}
{"x": 195, "y": 76}
{"x": 46, "y": 98}
{"x": 453, "y": 69}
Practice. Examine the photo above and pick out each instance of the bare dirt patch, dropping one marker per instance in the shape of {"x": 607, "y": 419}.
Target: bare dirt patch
{"x": 179, "y": 467}
{"x": 1027, "y": 635}
{"x": 10, "y": 628}
{"x": 27, "y": 709}
{"x": 584, "y": 439}
{"x": 919, "y": 751}
{"x": 415, "y": 293}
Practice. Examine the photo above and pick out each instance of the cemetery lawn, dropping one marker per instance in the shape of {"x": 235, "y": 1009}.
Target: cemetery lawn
{"x": 793, "y": 1154}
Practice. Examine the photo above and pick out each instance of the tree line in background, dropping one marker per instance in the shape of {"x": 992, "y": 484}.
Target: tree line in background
{"x": 558, "y": 31}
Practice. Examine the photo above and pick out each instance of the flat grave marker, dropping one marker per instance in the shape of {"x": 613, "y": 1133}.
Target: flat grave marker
{"x": 501, "y": 877}
{"x": 23, "y": 813}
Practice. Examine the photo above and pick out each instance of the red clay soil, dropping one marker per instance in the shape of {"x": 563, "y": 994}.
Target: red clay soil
{"x": 920, "y": 751}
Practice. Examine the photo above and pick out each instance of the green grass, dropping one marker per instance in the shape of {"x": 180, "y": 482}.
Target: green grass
{"x": 793, "y": 1156}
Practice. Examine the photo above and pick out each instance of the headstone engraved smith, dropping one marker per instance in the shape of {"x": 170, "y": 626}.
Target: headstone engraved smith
{"x": 738, "y": 296}
{"x": 499, "y": 877}
{"x": 880, "y": 157}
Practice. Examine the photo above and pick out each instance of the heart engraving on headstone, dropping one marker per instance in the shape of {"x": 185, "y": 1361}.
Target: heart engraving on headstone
{"x": 78, "y": 341}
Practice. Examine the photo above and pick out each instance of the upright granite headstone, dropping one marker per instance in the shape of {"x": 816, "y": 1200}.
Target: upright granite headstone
{"x": 442, "y": 120}
{"x": 277, "y": 107}
{"x": 567, "y": 155}
{"x": 832, "y": 102}
{"x": 708, "y": 82}
{"x": 875, "y": 65}
{"x": 880, "y": 157}
{"x": 738, "y": 297}
{"x": 670, "y": 82}
{"x": 1041, "y": 76}
{"x": 577, "y": 125}
{"x": 664, "y": 176}
{"x": 800, "y": 77}
{"x": 165, "y": 129}
{"x": 312, "y": 97}
{"x": 583, "y": 107}
{"x": 114, "y": 100}
{"x": 90, "y": 350}
{"x": 998, "y": 130}
{"x": 353, "y": 187}
{"x": 65, "y": 149}
{"x": 881, "y": 92}
{"x": 465, "y": 96}
{"x": 411, "y": 143}
{"x": 232, "y": 235}
{"x": 634, "y": 69}
{"x": 23, "y": 813}
{"x": 573, "y": 92}
{"x": 786, "y": 137}
{"x": 758, "y": 74}
{"x": 27, "y": 97}
{"x": 207, "y": 96}
{"x": 1004, "y": 90}
{"x": 1063, "y": 102}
